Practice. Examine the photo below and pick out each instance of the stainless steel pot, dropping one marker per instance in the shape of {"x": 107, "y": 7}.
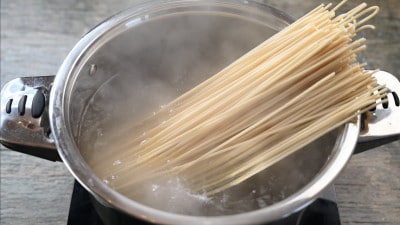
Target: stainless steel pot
{"x": 170, "y": 46}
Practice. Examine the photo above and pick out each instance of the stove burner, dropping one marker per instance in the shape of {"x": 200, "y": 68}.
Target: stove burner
{"x": 320, "y": 212}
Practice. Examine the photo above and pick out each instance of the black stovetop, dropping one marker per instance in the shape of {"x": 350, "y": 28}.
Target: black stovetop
{"x": 320, "y": 212}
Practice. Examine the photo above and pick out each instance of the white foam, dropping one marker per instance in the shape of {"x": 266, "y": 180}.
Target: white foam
{"x": 173, "y": 196}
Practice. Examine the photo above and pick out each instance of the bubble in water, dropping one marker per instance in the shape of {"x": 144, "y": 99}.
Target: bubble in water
{"x": 171, "y": 195}
{"x": 117, "y": 162}
{"x": 99, "y": 132}
{"x": 261, "y": 203}
{"x": 144, "y": 141}
{"x": 154, "y": 187}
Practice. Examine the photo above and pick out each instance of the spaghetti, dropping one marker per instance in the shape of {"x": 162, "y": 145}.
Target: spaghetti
{"x": 290, "y": 90}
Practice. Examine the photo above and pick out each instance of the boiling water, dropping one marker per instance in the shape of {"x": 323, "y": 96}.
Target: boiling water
{"x": 101, "y": 135}
{"x": 101, "y": 142}
{"x": 139, "y": 77}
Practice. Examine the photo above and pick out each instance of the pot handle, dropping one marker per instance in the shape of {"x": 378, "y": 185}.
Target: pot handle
{"x": 24, "y": 122}
{"x": 381, "y": 125}
{"x": 25, "y": 127}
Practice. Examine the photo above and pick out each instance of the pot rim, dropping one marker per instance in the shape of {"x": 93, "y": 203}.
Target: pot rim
{"x": 75, "y": 163}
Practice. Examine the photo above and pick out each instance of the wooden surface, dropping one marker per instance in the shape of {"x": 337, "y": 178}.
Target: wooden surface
{"x": 36, "y": 35}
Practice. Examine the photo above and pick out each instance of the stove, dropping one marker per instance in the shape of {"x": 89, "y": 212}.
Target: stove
{"x": 323, "y": 211}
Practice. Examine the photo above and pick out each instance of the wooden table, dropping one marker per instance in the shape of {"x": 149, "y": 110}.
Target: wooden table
{"x": 36, "y": 35}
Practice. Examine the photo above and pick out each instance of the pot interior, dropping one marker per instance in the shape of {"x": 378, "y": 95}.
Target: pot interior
{"x": 153, "y": 57}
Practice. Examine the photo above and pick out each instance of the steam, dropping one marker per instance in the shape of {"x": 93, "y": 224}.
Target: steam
{"x": 145, "y": 68}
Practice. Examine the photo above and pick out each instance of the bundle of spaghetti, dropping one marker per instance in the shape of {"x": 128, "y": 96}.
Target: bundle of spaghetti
{"x": 282, "y": 95}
